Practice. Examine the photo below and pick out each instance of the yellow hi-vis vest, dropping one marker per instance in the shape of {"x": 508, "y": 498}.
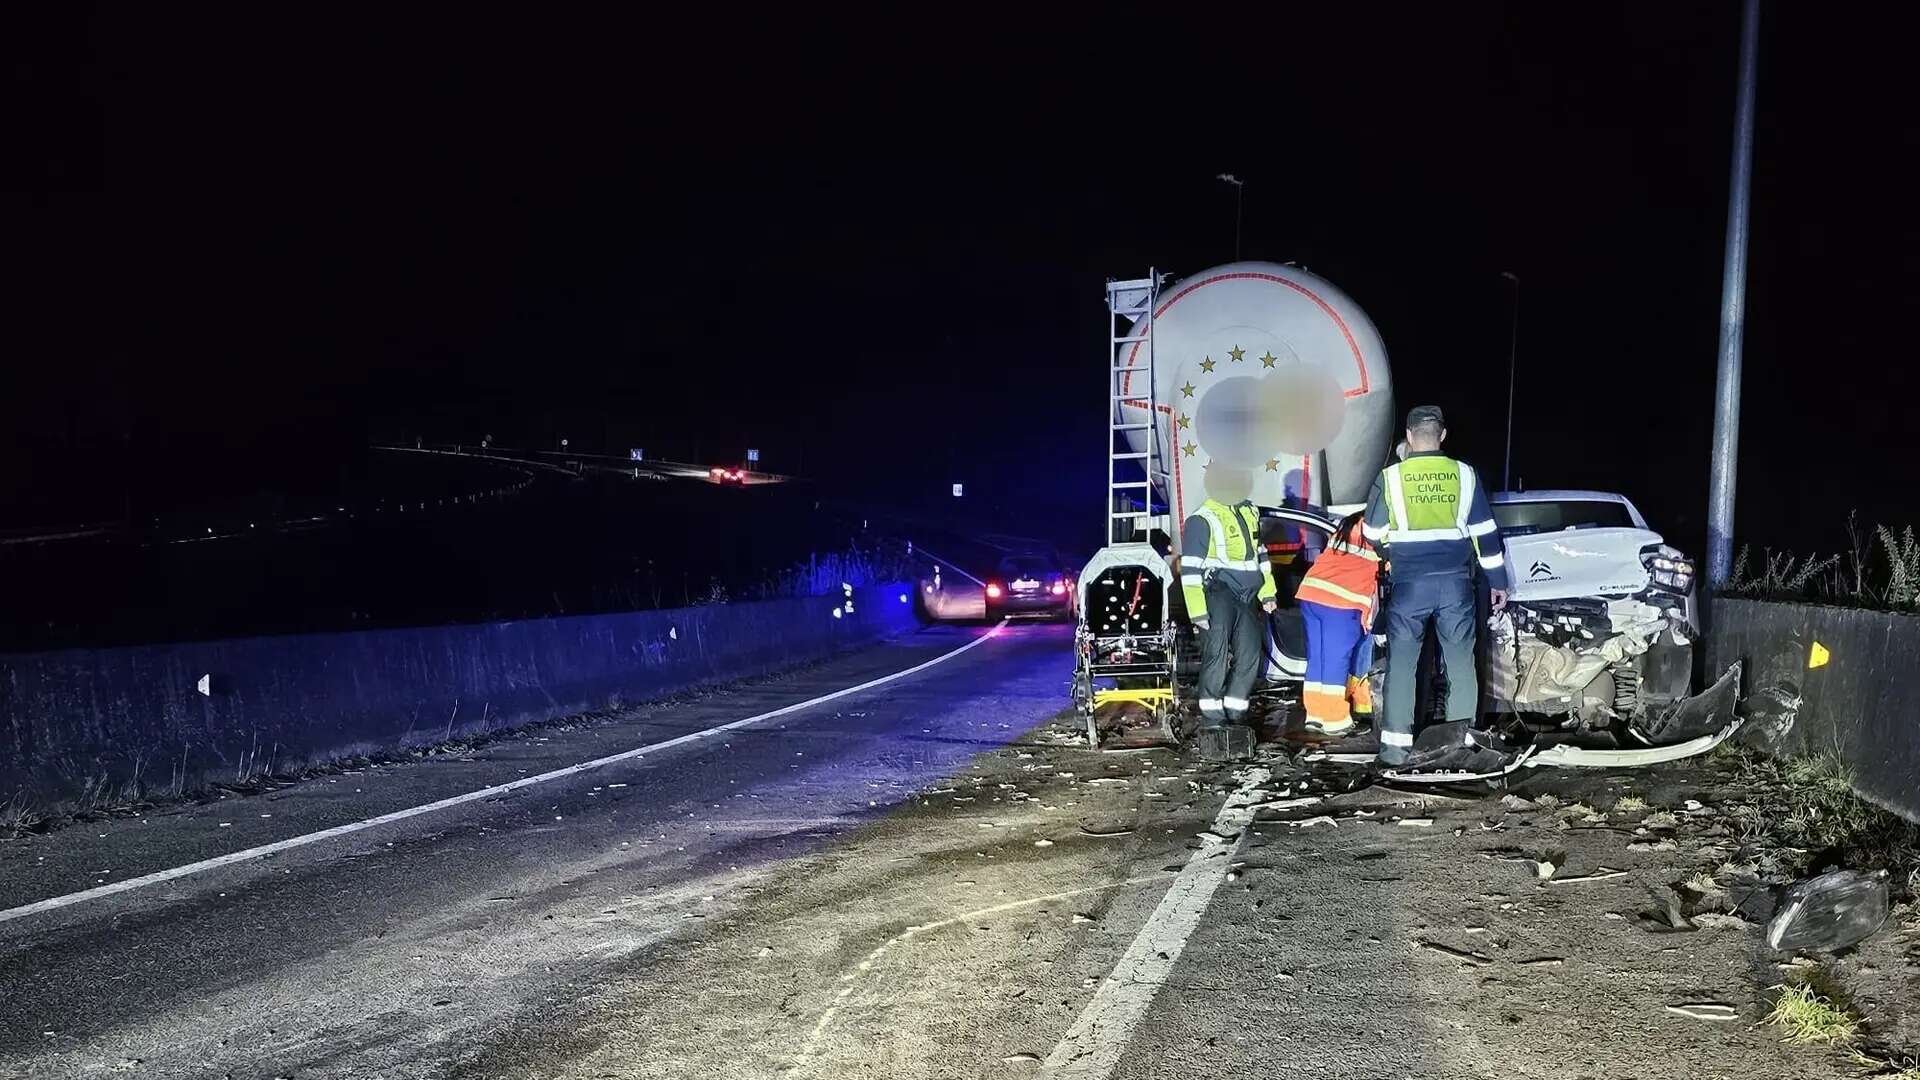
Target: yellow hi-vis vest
{"x": 1232, "y": 547}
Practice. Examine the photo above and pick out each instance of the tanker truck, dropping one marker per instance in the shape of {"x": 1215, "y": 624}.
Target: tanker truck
{"x": 1265, "y": 381}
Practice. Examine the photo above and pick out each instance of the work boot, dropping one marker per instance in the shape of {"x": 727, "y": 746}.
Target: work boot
{"x": 1360, "y": 693}
{"x": 1225, "y": 742}
{"x": 1332, "y": 728}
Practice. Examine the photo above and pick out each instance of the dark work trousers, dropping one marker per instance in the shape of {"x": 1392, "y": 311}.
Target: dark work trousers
{"x": 1232, "y": 650}
{"x": 1446, "y": 601}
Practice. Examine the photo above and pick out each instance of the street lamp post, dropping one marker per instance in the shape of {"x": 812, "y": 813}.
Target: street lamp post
{"x": 1239, "y": 203}
{"x": 1733, "y": 317}
{"x": 1513, "y": 354}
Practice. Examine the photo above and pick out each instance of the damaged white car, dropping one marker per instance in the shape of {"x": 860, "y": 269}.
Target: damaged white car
{"x": 1591, "y": 662}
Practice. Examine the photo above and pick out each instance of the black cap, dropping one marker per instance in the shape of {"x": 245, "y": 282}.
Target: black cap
{"x": 1425, "y": 414}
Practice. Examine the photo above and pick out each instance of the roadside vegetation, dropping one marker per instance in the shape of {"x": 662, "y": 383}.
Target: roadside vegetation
{"x": 1810, "y": 1010}
{"x": 875, "y": 564}
{"x": 1880, "y": 569}
{"x": 1804, "y": 809}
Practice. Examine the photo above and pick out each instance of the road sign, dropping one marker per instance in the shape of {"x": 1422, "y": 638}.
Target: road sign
{"x": 957, "y": 488}
{"x": 753, "y": 455}
{"x": 636, "y": 454}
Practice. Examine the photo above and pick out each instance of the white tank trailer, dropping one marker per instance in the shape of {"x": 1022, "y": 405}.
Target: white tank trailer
{"x": 1271, "y": 384}
{"x": 1271, "y": 381}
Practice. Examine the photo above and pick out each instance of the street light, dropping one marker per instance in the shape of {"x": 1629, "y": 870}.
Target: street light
{"x": 1513, "y": 353}
{"x": 1239, "y": 201}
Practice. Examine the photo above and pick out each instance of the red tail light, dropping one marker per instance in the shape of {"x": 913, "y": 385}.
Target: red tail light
{"x": 1059, "y": 588}
{"x": 993, "y": 590}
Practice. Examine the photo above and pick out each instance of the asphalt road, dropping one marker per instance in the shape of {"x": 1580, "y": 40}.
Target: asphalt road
{"x": 931, "y": 878}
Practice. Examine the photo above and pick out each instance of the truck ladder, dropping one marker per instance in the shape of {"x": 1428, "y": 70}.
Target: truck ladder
{"x": 1131, "y": 411}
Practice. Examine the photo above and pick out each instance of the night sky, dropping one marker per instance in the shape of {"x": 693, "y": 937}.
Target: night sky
{"x": 245, "y": 243}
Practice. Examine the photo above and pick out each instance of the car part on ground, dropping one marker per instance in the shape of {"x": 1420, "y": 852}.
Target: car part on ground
{"x": 1831, "y": 911}
{"x": 1454, "y": 753}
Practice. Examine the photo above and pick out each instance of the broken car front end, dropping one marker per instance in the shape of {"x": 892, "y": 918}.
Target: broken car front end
{"x": 1590, "y": 663}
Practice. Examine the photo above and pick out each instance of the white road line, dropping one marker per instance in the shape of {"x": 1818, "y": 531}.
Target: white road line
{"x": 1093, "y": 1044}
{"x": 70, "y": 899}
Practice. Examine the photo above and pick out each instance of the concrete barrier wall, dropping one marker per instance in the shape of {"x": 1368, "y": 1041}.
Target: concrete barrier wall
{"x": 1860, "y": 687}
{"x": 82, "y": 725}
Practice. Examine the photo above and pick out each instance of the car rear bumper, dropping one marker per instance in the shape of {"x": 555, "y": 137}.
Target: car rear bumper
{"x": 1032, "y": 604}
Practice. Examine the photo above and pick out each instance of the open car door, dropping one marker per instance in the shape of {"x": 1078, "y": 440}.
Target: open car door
{"x": 1293, "y": 537}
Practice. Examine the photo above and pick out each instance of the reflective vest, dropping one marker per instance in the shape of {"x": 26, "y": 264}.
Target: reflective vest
{"x": 1436, "y": 519}
{"x": 1346, "y": 575}
{"x": 1232, "y": 547}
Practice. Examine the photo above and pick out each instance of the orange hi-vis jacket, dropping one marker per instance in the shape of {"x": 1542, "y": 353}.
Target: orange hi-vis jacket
{"x": 1346, "y": 575}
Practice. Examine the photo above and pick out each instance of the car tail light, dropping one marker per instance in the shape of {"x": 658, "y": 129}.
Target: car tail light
{"x": 993, "y": 590}
{"x": 1059, "y": 588}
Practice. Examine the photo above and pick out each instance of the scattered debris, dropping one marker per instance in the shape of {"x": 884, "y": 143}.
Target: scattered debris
{"x": 1720, "y": 920}
{"x": 1043, "y": 843}
{"x": 1125, "y": 831}
{"x": 1829, "y": 912}
{"x": 1014, "y": 1059}
{"x": 1516, "y": 803}
{"x": 1653, "y": 845}
{"x": 1420, "y": 822}
{"x": 1705, "y": 1010}
{"x": 1661, "y": 819}
{"x": 1478, "y": 959}
{"x": 1323, "y": 819}
{"x": 1292, "y": 804}
{"x": 1605, "y": 873}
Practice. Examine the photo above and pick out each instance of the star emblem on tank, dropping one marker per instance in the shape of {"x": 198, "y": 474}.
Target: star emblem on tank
{"x": 1187, "y": 390}
{"x": 1190, "y": 448}
{"x": 1273, "y": 464}
{"x": 1237, "y": 353}
{"x": 1206, "y": 364}
{"x": 1184, "y": 420}
{"x": 1267, "y": 358}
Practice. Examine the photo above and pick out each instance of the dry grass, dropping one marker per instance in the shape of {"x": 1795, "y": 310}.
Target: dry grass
{"x": 1704, "y": 884}
{"x": 1812, "y": 1018}
{"x": 1631, "y": 804}
{"x": 1888, "y": 577}
{"x": 1808, "y": 803}
{"x": 18, "y": 818}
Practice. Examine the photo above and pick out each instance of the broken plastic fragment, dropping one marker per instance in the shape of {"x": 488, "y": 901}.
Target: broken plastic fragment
{"x": 1705, "y": 1010}
{"x": 1829, "y": 912}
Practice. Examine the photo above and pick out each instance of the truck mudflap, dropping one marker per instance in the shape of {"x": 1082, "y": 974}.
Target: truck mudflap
{"x": 1455, "y": 753}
